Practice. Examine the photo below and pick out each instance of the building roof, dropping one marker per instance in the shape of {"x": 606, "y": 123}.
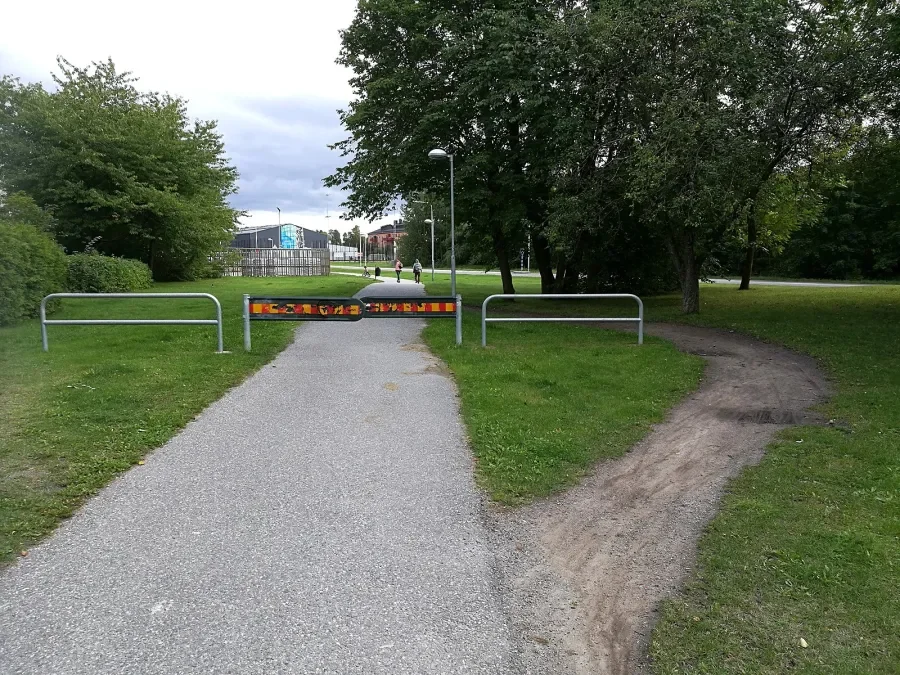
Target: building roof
{"x": 397, "y": 226}
{"x": 260, "y": 228}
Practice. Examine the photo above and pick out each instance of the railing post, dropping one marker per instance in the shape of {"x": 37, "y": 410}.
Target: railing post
{"x": 640, "y": 320}
{"x": 458, "y": 320}
{"x": 218, "y": 324}
{"x": 484, "y": 320}
{"x": 43, "y": 324}
{"x": 246, "y": 322}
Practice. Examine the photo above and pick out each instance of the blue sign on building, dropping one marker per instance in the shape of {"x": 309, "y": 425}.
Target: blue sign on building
{"x": 288, "y": 236}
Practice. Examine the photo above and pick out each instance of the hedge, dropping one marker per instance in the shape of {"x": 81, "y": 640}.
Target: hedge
{"x": 95, "y": 273}
{"x": 32, "y": 265}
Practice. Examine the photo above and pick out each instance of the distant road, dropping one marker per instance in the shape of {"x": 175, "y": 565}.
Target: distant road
{"x": 812, "y": 284}
{"x": 516, "y": 273}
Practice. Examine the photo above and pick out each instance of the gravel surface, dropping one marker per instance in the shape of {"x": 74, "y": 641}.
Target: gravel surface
{"x": 319, "y": 518}
{"x": 584, "y": 571}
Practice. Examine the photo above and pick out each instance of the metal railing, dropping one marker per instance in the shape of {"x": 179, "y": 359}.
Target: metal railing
{"x": 563, "y": 296}
{"x": 365, "y": 303}
{"x": 131, "y": 322}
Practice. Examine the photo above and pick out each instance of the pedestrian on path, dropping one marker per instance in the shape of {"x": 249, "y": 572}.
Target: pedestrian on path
{"x": 366, "y": 271}
{"x": 397, "y": 267}
{"x": 417, "y": 270}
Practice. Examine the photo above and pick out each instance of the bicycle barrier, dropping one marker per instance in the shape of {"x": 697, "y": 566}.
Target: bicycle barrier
{"x": 349, "y": 309}
{"x": 563, "y": 296}
{"x": 131, "y": 322}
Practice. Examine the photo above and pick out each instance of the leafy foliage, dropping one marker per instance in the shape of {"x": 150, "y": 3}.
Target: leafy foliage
{"x": 108, "y": 160}
{"x": 334, "y": 237}
{"x": 20, "y": 208}
{"x": 416, "y": 244}
{"x": 595, "y": 127}
{"x": 32, "y": 265}
{"x": 95, "y": 273}
{"x": 351, "y": 238}
{"x": 858, "y": 232}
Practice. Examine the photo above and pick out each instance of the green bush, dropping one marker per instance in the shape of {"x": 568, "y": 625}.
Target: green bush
{"x": 95, "y": 273}
{"x": 32, "y": 265}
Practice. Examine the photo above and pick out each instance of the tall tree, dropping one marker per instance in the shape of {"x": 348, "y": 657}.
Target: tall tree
{"x": 455, "y": 76}
{"x": 110, "y": 161}
{"x": 610, "y": 132}
{"x": 814, "y": 72}
{"x": 416, "y": 243}
{"x": 351, "y": 237}
{"x": 857, "y": 232}
{"x": 739, "y": 94}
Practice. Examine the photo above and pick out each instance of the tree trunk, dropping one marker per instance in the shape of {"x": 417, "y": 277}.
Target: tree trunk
{"x": 544, "y": 260}
{"x": 570, "y": 280}
{"x": 747, "y": 265}
{"x": 561, "y": 271}
{"x": 501, "y": 249}
{"x": 681, "y": 245}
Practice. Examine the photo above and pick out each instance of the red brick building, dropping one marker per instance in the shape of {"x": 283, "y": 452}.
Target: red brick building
{"x": 384, "y": 236}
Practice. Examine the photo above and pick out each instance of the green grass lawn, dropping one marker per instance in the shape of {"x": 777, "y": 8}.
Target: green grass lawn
{"x": 544, "y": 402}
{"x": 807, "y": 544}
{"x": 103, "y": 396}
{"x": 474, "y": 288}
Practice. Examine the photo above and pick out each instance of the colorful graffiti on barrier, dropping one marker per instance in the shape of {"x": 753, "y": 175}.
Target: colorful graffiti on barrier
{"x": 348, "y": 309}
{"x": 419, "y": 308}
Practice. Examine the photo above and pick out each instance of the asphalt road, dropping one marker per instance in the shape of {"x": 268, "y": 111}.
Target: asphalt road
{"x": 320, "y": 518}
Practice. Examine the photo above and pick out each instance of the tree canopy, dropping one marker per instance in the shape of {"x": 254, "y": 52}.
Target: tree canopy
{"x": 111, "y": 162}
{"x": 633, "y": 141}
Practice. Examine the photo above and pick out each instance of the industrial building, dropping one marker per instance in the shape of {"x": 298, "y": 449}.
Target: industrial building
{"x": 279, "y": 236}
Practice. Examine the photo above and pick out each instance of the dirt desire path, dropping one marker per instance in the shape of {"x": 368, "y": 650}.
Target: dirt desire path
{"x": 582, "y": 573}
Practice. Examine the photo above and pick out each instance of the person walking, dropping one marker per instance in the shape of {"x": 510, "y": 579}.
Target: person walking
{"x": 397, "y": 267}
{"x": 417, "y": 271}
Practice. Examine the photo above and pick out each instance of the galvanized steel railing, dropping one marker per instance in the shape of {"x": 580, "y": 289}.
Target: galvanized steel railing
{"x": 560, "y": 296}
{"x": 131, "y": 322}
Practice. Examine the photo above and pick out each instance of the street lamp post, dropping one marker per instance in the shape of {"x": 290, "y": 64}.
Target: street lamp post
{"x": 430, "y": 221}
{"x": 439, "y": 154}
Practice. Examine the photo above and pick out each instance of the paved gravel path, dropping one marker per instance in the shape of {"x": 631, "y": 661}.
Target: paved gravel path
{"x": 320, "y": 518}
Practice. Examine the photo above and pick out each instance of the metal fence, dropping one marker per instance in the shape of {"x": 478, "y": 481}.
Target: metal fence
{"x": 275, "y": 262}
{"x": 350, "y": 309}
{"x": 131, "y": 322}
{"x": 563, "y": 296}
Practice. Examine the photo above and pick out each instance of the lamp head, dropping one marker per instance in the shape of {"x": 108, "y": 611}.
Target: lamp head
{"x": 437, "y": 153}
{"x": 428, "y": 221}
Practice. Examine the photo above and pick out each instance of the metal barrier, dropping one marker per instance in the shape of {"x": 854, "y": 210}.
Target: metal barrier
{"x": 131, "y": 322}
{"x": 350, "y": 309}
{"x": 561, "y": 296}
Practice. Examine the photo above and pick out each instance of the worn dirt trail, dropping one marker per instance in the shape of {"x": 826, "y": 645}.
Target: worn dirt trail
{"x": 585, "y": 571}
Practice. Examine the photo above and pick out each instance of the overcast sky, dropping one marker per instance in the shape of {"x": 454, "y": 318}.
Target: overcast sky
{"x": 265, "y": 70}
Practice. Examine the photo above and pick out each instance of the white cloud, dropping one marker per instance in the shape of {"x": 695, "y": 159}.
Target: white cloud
{"x": 201, "y": 50}
{"x": 264, "y": 69}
